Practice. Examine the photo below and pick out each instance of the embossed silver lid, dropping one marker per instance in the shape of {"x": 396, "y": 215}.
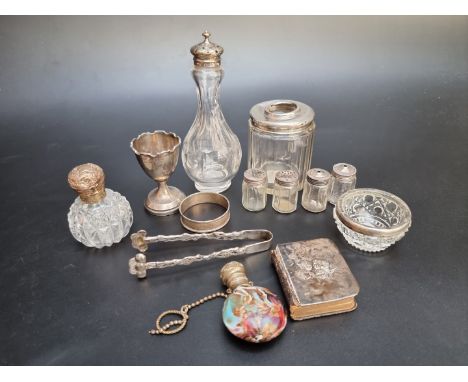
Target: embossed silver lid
{"x": 343, "y": 170}
{"x": 255, "y": 176}
{"x": 282, "y": 116}
{"x": 88, "y": 181}
{"x": 287, "y": 178}
{"x": 207, "y": 53}
{"x": 318, "y": 176}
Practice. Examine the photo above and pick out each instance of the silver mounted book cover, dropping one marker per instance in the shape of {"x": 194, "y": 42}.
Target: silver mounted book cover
{"x": 315, "y": 278}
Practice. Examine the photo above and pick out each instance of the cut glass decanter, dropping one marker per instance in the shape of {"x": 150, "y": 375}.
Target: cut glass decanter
{"x": 211, "y": 152}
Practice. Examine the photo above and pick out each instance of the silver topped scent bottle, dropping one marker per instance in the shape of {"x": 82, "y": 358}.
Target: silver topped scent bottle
{"x": 285, "y": 191}
{"x": 254, "y": 193}
{"x": 211, "y": 152}
{"x": 316, "y": 190}
{"x": 343, "y": 179}
{"x": 99, "y": 217}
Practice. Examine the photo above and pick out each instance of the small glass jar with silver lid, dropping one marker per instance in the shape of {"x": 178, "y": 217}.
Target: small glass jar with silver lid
{"x": 316, "y": 190}
{"x": 254, "y": 185}
{"x": 343, "y": 179}
{"x": 285, "y": 191}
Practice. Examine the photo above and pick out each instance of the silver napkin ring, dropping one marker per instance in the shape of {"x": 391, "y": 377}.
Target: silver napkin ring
{"x": 196, "y": 225}
{"x": 138, "y": 265}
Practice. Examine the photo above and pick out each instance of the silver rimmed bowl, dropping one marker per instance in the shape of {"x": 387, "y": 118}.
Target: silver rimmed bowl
{"x": 371, "y": 220}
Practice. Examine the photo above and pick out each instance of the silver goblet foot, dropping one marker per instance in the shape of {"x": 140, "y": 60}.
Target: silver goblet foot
{"x": 164, "y": 200}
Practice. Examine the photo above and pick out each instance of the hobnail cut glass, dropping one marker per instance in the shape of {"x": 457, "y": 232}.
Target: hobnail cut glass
{"x": 101, "y": 224}
{"x": 371, "y": 220}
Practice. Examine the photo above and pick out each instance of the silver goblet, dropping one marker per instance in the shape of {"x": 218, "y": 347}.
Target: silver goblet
{"x": 158, "y": 154}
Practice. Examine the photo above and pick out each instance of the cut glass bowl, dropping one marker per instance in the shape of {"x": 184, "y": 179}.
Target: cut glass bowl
{"x": 371, "y": 220}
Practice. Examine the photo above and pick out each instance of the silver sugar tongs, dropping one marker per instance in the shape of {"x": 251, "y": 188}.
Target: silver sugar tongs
{"x": 138, "y": 264}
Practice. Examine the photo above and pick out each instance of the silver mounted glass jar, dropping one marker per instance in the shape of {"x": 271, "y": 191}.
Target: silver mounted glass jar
{"x": 281, "y": 138}
{"x": 211, "y": 152}
{"x": 343, "y": 179}
{"x": 285, "y": 191}
{"x": 99, "y": 216}
{"x": 316, "y": 190}
{"x": 254, "y": 195}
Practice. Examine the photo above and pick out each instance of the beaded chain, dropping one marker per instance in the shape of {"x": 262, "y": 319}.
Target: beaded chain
{"x": 183, "y": 313}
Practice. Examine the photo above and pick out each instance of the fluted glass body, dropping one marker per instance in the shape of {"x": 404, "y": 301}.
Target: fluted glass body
{"x": 211, "y": 152}
{"x": 100, "y": 224}
{"x": 273, "y": 153}
{"x": 315, "y": 196}
{"x": 285, "y": 198}
{"x": 339, "y": 186}
{"x": 281, "y": 135}
{"x": 254, "y": 196}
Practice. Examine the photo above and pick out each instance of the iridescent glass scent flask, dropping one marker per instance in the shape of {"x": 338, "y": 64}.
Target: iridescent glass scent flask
{"x": 285, "y": 191}
{"x": 99, "y": 217}
{"x": 211, "y": 152}
{"x": 343, "y": 179}
{"x": 250, "y": 312}
{"x": 316, "y": 190}
{"x": 281, "y": 135}
{"x": 254, "y": 195}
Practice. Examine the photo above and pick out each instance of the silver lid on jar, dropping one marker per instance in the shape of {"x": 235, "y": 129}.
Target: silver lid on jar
{"x": 255, "y": 176}
{"x": 343, "y": 170}
{"x": 282, "y": 116}
{"x": 318, "y": 176}
{"x": 287, "y": 178}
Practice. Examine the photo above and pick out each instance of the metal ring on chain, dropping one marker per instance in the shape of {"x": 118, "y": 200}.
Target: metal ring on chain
{"x": 165, "y": 328}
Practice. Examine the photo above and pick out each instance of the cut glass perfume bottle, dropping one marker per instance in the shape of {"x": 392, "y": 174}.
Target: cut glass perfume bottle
{"x": 99, "y": 217}
{"x": 343, "y": 180}
{"x": 211, "y": 152}
{"x": 316, "y": 190}
{"x": 285, "y": 191}
{"x": 254, "y": 194}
